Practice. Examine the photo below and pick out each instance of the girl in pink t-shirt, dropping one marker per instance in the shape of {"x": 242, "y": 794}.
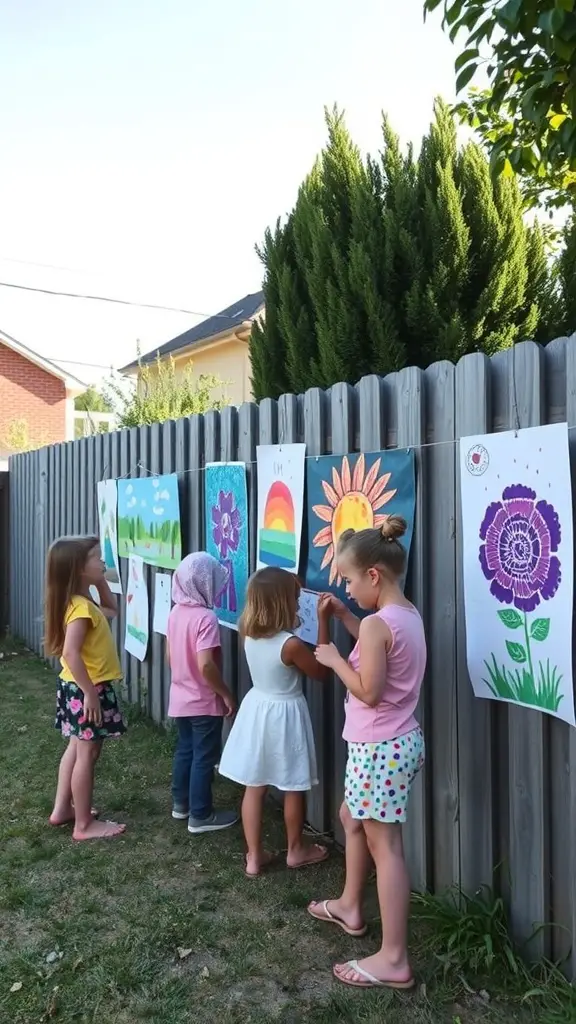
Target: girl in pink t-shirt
{"x": 199, "y": 697}
{"x": 383, "y": 677}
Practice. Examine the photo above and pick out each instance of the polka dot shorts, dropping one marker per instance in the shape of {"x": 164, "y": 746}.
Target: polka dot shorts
{"x": 379, "y": 777}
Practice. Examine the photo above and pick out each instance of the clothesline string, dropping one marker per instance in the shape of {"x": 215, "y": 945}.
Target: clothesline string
{"x": 315, "y": 458}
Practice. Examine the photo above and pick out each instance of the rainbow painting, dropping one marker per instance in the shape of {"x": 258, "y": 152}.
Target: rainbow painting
{"x": 277, "y": 537}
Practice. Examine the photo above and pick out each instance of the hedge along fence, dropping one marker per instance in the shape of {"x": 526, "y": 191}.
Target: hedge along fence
{"x": 496, "y": 803}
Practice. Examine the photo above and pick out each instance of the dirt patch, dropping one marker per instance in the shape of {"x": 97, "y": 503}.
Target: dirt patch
{"x": 259, "y": 992}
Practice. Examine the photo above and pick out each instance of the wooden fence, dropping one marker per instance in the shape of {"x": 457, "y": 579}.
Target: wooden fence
{"x": 496, "y": 803}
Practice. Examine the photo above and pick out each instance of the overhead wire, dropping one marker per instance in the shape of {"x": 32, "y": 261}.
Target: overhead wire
{"x": 118, "y": 302}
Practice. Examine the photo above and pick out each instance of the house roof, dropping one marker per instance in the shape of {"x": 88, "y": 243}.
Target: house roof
{"x": 226, "y": 320}
{"x": 72, "y": 383}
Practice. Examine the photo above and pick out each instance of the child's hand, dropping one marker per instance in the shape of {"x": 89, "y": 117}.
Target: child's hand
{"x": 328, "y": 655}
{"x": 92, "y": 708}
{"x": 230, "y": 705}
{"x": 333, "y": 606}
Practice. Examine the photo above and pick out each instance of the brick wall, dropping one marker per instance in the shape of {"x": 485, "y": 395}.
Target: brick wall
{"x": 29, "y": 393}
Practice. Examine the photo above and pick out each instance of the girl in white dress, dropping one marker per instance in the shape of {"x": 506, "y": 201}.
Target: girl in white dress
{"x": 271, "y": 742}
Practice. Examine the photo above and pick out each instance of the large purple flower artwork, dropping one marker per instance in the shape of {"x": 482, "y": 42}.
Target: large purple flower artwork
{"x": 226, "y": 510}
{"x": 520, "y": 537}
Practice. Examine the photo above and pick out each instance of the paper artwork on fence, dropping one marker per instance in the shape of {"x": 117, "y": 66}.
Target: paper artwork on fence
{"x": 149, "y": 520}
{"x": 227, "y": 533}
{"x": 162, "y": 602}
{"x": 308, "y": 616}
{"x": 137, "y": 611}
{"x": 107, "y": 497}
{"x": 280, "y": 472}
{"x": 355, "y": 492}
{"x": 517, "y": 544}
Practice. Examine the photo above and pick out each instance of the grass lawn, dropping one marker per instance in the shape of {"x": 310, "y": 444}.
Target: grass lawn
{"x": 163, "y": 928}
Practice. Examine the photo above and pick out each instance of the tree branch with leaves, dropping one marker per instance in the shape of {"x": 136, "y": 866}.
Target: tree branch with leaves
{"x": 162, "y": 392}
{"x": 527, "y": 115}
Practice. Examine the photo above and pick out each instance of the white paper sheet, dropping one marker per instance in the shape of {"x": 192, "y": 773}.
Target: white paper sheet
{"x": 308, "y": 615}
{"x": 280, "y": 469}
{"x": 162, "y": 602}
{"x": 107, "y": 497}
{"x": 137, "y": 610}
{"x": 518, "y": 567}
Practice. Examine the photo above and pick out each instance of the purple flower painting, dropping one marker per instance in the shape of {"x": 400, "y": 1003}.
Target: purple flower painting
{"x": 226, "y": 535}
{"x": 521, "y": 536}
{"x": 518, "y": 555}
{"x": 226, "y": 505}
{"x": 226, "y": 524}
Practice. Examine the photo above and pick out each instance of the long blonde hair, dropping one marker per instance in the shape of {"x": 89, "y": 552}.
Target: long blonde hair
{"x": 271, "y": 603}
{"x": 65, "y": 564}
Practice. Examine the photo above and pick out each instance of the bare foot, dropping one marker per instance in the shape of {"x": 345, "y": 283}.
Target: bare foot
{"x": 332, "y": 912}
{"x": 66, "y": 816}
{"x": 306, "y": 856}
{"x": 99, "y": 830}
{"x": 375, "y": 972}
{"x": 256, "y": 863}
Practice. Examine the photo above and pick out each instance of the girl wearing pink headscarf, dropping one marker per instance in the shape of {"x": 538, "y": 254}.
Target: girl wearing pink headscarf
{"x": 199, "y": 697}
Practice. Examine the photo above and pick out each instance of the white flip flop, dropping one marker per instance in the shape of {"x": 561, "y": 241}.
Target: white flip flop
{"x": 328, "y": 918}
{"x": 369, "y": 980}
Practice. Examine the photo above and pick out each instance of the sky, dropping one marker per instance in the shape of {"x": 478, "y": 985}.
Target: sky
{"x": 147, "y": 145}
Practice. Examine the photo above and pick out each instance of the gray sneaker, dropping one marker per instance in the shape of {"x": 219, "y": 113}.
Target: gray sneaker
{"x": 180, "y": 813}
{"x": 217, "y": 821}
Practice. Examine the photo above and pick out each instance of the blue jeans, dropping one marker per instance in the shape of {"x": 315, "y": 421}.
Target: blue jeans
{"x": 197, "y": 753}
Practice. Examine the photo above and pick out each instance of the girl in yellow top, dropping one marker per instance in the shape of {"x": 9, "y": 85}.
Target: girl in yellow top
{"x": 87, "y": 710}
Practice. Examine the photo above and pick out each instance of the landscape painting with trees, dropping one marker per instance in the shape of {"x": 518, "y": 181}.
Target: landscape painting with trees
{"x": 149, "y": 520}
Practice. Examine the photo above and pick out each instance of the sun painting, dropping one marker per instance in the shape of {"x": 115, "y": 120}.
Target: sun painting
{"x": 354, "y": 499}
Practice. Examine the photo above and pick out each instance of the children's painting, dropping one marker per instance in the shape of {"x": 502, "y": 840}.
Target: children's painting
{"x": 162, "y": 602}
{"x": 355, "y": 492}
{"x": 517, "y": 547}
{"x": 227, "y": 533}
{"x": 280, "y": 470}
{"x": 308, "y": 617}
{"x": 149, "y": 520}
{"x": 136, "y": 639}
{"x": 107, "y": 497}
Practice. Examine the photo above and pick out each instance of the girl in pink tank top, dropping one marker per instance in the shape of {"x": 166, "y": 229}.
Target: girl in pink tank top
{"x": 383, "y": 678}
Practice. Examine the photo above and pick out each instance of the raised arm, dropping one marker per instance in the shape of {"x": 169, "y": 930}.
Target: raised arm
{"x": 108, "y": 600}
{"x": 368, "y": 683}
{"x": 295, "y": 652}
{"x": 338, "y": 609}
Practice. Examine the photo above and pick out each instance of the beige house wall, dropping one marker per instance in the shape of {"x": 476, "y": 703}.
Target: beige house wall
{"x": 229, "y": 360}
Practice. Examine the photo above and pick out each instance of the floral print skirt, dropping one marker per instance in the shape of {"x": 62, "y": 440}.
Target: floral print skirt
{"x": 70, "y": 719}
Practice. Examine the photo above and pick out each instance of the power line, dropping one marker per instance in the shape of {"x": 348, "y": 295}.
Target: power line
{"x": 77, "y": 362}
{"x": 50, "y": 266}
{"x": 118, "y": 302}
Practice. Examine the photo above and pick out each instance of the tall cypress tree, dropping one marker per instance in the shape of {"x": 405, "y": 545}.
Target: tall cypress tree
{"x": 567, "y": 275}
{"x": 400, "y": 261}
{"x": 268, "y": 350}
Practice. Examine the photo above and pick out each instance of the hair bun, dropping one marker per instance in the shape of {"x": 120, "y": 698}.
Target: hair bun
{"x": 393, "y": 528}
{"x": 346, "y": 535}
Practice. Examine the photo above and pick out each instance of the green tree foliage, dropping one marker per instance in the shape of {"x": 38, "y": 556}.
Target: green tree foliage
{"x": 527, "y": 116}
{"x": 163, "y": 393}
{"x": 92, "y": 400}
{"x": 398, "y": 261}
{"x": 567, "y": 276}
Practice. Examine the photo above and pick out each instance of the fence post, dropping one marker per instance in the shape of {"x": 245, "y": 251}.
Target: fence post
{"x": 412, "y": 433}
